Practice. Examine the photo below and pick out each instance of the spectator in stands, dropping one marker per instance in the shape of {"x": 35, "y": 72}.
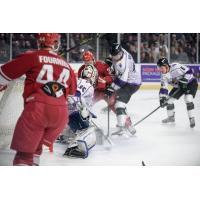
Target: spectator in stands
{"x": 4, "y": 51}
{"x": 75, "y": 39}
{"x": 129, "y": 43}
{"x": 184, "y": 44}
{"x": 174, "y": 54}
{"x": 182, "y": 56}
{"x": 15, "y": 49}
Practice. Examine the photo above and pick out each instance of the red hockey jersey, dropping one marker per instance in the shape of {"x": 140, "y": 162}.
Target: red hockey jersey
{"x": 104, "y": 74}
{"x": 40, "y": 67}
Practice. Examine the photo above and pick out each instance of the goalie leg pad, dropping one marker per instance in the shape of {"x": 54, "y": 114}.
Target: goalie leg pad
{"x": 82, "y": 144}
{"x": 86, "y": 140}
{"x": 75, "y": 152}
{"x": 76, "y": 122}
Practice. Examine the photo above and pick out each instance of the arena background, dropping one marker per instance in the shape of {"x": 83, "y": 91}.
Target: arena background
{"x": 146, "y": 49}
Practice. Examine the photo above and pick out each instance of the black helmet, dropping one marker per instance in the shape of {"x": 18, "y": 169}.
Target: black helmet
{"x": 115, "y": 49}
{"x": 108, "y": 61}
{"x": 162, "y": 61}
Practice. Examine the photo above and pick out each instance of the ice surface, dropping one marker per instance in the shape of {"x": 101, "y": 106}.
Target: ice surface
{"x": 154, "y": 142}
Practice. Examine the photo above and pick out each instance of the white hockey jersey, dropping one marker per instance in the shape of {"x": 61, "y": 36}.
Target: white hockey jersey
{"x": 174, "y": 76}
{"x": 125, "y": 72}
{"x": 84, "y": 94}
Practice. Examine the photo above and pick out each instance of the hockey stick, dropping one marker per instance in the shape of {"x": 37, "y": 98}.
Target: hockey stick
{"x": 155, "y": 109}
{"x": 64, "y": 50}
{"x": 108, "y": 100}
{"x": 101, "y": 131}
{"x": 146, "y": 116}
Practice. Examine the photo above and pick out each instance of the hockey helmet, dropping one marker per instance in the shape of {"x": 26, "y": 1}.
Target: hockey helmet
{"x": 51, "y": 40}
{"x": 163, "y": 62}
{"x": 88, "y": 56}
{"x": 115, "y": 49}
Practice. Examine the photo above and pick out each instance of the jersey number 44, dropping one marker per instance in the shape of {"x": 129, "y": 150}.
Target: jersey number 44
{"x": 47, "y": 70}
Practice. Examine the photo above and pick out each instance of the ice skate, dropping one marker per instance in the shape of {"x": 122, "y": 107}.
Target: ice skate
{"x": 130, "y": 126}
{"x": 120, "y": 130}
{"x": 169, "y": 119}
{"x": 192, "y": 122}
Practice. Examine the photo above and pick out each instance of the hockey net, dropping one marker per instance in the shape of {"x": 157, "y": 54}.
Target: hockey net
{"x": 11, "y": 106}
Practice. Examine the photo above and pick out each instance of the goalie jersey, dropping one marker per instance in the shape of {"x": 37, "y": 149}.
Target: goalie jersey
{"x": 84, "y": 95}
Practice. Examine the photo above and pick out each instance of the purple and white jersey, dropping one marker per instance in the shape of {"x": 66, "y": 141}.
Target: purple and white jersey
{"x": 174, "y": 76}
{"x": 125, "y": 72}
{"x": 84, "y": 95}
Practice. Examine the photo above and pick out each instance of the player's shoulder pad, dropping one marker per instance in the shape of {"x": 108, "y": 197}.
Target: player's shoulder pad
{"x": 175, "y": 66}
{"x": 129, "y": 56}
{"x": 27, "y": 53}
{"x": 101, "y": 64}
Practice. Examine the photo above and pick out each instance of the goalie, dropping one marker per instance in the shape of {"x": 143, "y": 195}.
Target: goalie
{"x": 80, "y": 115}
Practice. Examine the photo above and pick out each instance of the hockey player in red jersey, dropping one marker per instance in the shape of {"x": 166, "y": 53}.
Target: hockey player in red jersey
{"x": 104, "y": 75}
{"x": 49, "y": 80}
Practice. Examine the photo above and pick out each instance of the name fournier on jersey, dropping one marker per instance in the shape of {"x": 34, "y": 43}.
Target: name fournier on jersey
{"x": 53, "y": 60}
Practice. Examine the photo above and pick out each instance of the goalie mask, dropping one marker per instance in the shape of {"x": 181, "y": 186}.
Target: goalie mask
{"x": 48, "y": 40}
{"x": 90, "y": 73}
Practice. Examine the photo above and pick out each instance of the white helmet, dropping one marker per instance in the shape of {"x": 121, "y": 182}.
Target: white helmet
{"x": 91, "y": 73}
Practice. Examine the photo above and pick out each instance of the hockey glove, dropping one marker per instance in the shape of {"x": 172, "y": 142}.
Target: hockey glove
{"x": 163, "y": 102}
{"x": 109, "y": 91}
{"x": 183, "y": 84}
